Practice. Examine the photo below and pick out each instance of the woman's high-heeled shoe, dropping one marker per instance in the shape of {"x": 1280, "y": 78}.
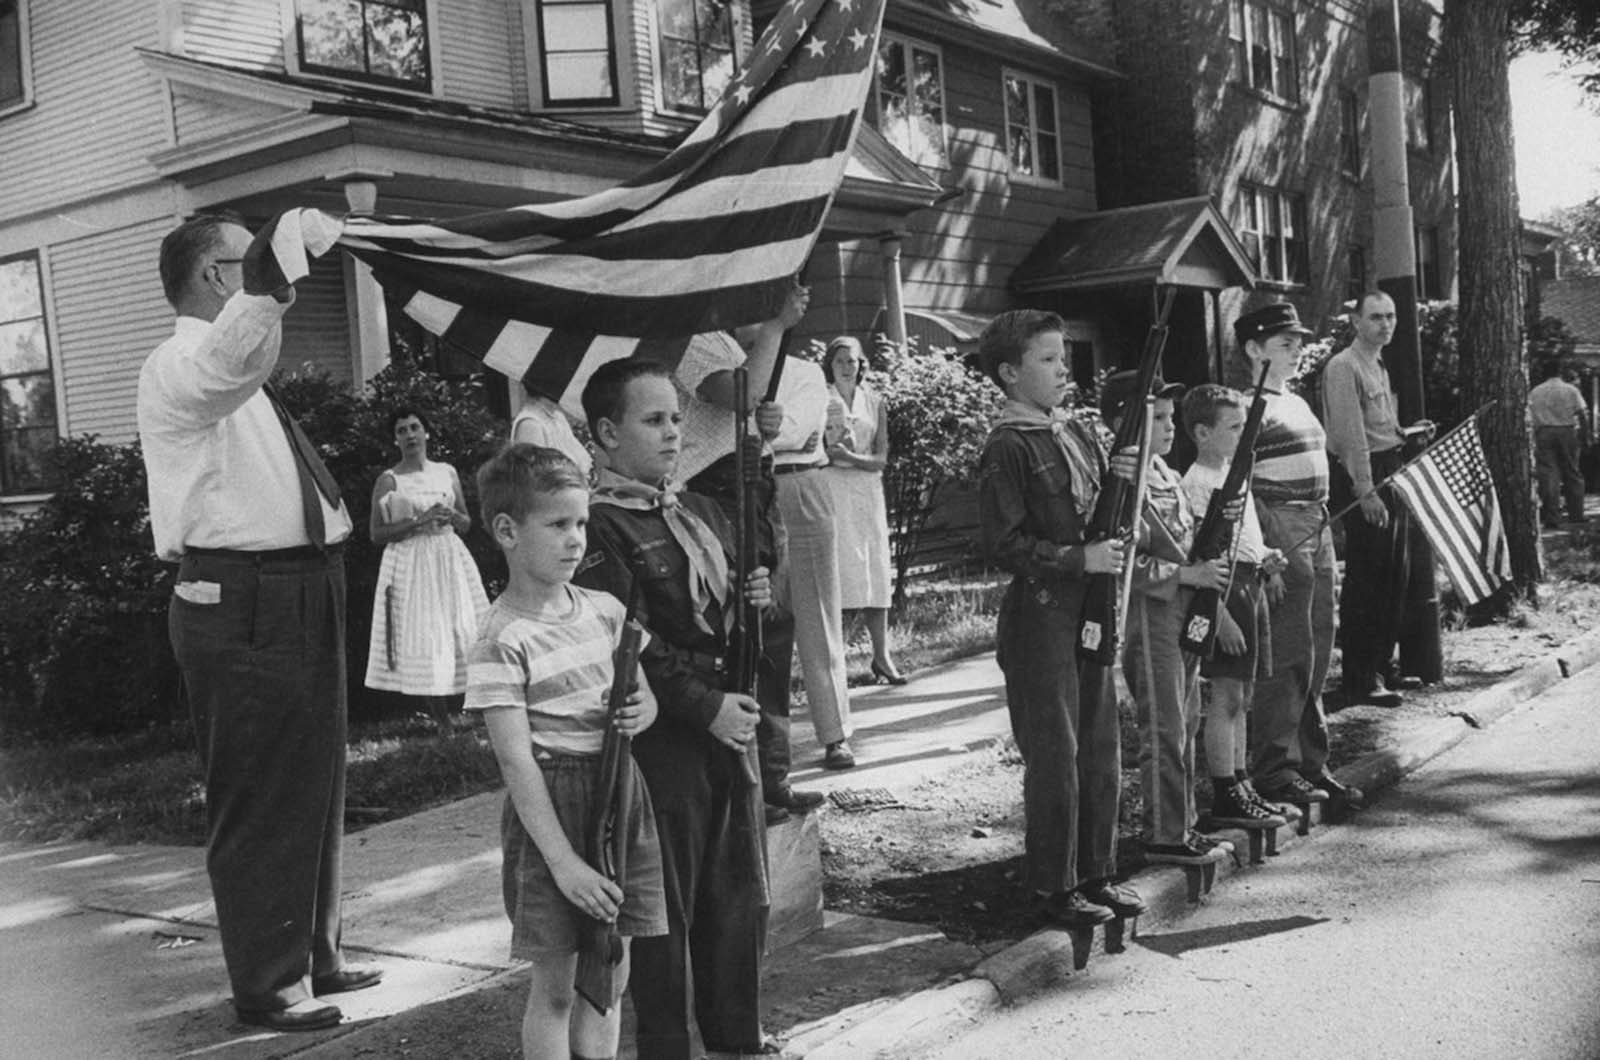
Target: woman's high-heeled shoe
{"x": 883, "y": 674}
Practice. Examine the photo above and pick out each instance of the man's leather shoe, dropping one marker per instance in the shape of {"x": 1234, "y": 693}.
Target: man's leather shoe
{"x": 795, "y": 801}
{"x": 350, "y": 977}
{"x": 307, "y": 1015}
{"x": 776, "y": 814}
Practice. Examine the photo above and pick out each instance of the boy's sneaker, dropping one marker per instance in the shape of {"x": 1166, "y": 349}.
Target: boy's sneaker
{"x": 1184, "y": 853}
{"x": 1070, "y": 909}
{"x": 1294, "y": 788}
{"x": 1232, "y": 806}
{"x": 1122, "y": 901}
{"x": 1287, "y": 810}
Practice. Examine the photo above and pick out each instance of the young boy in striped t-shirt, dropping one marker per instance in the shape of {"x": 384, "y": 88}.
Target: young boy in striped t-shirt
{"x": 540, "y": 673}
{"x": 1289, "y": 744}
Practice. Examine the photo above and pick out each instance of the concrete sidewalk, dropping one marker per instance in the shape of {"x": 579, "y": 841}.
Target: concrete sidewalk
{"x": 112, "y": 951}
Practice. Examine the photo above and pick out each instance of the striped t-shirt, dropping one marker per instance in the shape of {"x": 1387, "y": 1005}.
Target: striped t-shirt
{"x": 1291, "y": 454}
{"x": 556, "y": 669}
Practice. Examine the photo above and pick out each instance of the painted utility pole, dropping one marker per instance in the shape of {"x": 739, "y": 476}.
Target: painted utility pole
{"x": 1394, "y": 258}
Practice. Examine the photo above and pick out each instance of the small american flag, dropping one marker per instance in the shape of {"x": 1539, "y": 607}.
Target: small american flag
{"x": 709, "y": 238}
{"x": 1450, "y": 493}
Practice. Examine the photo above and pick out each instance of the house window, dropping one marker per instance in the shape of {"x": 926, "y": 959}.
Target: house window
{"x": 1263, "y": 48}
{"x": 1419, "y": 113}
{"x": 27, "y": 388}
{"x": 13, "y": 55}
{"x": 1430, "y": 287}
{"x": 1355, "y": 283}
{"x": 697, "y": 60}
{"x": 1350, "y": 133}
{"x": 576, "y": 57}
{"x": 1033, "y": 137}
{"x": 910, "y": 100}
{"x": 370, "y": 40}
{"x": 1271, "y": 224}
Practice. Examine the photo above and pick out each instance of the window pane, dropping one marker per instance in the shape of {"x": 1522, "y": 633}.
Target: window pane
{"x": 677, "y": 19}
{"x": 894, "y": 123}
{"x": 1044, "y": 109}
{"x": 28, "y": 401}
{"x": 28, "y": 459}
{"x": 10, "y": 53}
{"x": 1016, "y": 100}
{"x": 23, "y": 349}
{"x": 1236, "y": 19}
{"x": 1021, "y": 150}
{"x": 330, "y": 34}
{"x": 1260, "y": 56}
{"x": 396, "y": 43}
{"x": 580, "y": 75}
{"x": 575, "y": 28}
{"x": 680, "y": 74}
{"x": 19, "y": 290}
{"x": 929, "y": 87}
{"x": 1049, "y": 158}
{"x": 1283, "y": 51}
{"x": 716, "y": 25}
{"x": 716, "y": 70}
{"x": 927, "y": 133}
{"x": 892, "y": 68}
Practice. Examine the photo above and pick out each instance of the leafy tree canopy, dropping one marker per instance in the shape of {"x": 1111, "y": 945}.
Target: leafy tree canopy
{"x": 1568, "y": 27}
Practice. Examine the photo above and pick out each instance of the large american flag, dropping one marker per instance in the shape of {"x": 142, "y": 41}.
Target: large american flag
{"x": 709, "y": 238}
{"x": 1450, "y": 493}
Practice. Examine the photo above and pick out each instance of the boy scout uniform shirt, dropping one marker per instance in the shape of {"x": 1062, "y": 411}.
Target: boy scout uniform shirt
{"x": 684, "y": 664}
{"x": 1027, "y": 517}
{"x": 1170, "y": 525}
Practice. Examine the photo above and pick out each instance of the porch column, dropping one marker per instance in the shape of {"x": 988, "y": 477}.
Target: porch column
{"x": 369, "y": 319}
{"x": 894, "y": 306}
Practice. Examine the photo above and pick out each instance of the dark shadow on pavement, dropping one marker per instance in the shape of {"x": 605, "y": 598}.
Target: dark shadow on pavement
{"x": 1177, "y": 943}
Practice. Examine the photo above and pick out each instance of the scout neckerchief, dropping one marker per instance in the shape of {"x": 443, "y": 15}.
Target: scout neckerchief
{"x": 708, "y": 564}
{"x": 1167, "y": 535}
{"x": 1084, "y": 459}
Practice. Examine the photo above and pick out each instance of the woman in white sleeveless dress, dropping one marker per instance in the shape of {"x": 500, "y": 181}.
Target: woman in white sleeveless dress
{"x": 430, "y": 598}
{"x": 857, "y": 441}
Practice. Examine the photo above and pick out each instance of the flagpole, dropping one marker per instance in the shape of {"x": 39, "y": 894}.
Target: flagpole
{"x": 1347, "y": 509}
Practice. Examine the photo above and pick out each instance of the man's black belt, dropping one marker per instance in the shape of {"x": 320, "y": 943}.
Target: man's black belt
{"x": 790, "y": 469}
{"x": 270, "y": 555}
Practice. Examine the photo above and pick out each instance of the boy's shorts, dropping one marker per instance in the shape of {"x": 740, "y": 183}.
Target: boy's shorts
{"x": 1247, "y": 606}
{"x": 541, "y": 917}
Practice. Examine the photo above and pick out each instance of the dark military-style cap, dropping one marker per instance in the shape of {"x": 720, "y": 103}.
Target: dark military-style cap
{"x": 1268, "y": 320}
{"x": 1118, "y": 390}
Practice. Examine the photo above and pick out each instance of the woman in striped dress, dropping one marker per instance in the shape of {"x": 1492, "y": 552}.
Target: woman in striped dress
{"x": 430, "y": 598}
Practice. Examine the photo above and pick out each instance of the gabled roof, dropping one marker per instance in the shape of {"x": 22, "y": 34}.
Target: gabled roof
{"x": 1576, "y": 301}
{"x": 1184, "y": 242}
{"x": 1014, "y": 30}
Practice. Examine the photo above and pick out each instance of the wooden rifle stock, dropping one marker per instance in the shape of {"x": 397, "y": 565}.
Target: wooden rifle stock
{"x": 1199, "y": 631}
{"x": 1116, "y": 512}
{"x": 610, "y": 822}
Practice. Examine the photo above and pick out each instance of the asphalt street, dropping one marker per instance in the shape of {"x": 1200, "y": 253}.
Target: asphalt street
{"x": 1459, "y": 917}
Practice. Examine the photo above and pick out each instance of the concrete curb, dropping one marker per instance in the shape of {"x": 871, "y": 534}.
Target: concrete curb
{"x": 910, "y": 1026}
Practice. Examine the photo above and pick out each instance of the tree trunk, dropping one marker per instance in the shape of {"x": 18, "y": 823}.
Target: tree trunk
{"x": 1493, "y": 360}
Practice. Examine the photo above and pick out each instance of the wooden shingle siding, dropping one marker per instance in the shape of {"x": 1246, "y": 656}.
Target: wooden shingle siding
{"x": 244, "y": 33}
{"x": 109, "y": 315}
{"x": 97, "y": 112}
{"x": 316, "y": 330}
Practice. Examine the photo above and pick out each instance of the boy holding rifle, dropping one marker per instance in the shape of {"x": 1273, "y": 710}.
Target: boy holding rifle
{"x": 1242, "y": 650}
{"x": 1160, "y": 675}
{"x": 676, "y": 547}
{"x": 1289, "y": 741}
{"x": 541, "y": 673}
{"x": 1038, "y": 479}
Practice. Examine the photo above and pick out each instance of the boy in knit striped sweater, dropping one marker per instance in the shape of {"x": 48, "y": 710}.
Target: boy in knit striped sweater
{"x": 1289, "y": 745}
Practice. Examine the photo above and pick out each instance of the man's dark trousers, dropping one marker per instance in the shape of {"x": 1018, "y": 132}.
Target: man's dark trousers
{"x": 264, "y": 668}
{"x": 710, "y": 827}
{"x": 1377, "y": 568}
{"x": 1557, "y": 452}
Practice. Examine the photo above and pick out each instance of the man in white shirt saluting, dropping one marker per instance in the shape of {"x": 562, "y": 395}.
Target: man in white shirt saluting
{"x": 240, "y": 500}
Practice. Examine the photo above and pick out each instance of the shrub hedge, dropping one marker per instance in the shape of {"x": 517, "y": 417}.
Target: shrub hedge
{"x": 83, "y": 638}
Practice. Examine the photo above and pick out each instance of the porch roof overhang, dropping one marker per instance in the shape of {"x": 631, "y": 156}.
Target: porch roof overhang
{"x": 1182, "y": 243}
{"x": 1014, "y": 31}
{"x": 433, "y": 157}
